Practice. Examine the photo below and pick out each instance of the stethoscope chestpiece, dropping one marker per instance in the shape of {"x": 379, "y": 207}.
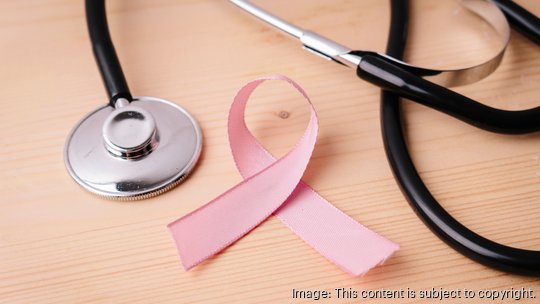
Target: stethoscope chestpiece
{"x": 134, "y": 150}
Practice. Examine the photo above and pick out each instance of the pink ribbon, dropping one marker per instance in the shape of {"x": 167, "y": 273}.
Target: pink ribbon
{"x": 273, "y": 186}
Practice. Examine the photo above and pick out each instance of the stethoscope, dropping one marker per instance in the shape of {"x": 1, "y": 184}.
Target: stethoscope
{"x": 136, "y": 147}
{"x": 425, "y": 86}
{"x": 133, "y": 147}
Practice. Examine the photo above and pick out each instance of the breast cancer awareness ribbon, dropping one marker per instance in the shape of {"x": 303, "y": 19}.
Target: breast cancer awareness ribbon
{"x": 273, "y": 186}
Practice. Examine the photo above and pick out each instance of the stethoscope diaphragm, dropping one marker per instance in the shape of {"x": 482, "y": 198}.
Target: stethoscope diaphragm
{"x": 133, "y": 150}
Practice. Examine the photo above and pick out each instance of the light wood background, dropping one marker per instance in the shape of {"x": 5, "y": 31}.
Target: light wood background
{"x": 60, "y": 244}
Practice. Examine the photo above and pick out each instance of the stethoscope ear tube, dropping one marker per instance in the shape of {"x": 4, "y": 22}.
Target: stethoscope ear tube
{"x": 470, "y": 244}
{"x": 104, "y": 52}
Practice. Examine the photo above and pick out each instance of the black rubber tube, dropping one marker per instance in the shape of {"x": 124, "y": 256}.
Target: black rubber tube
{"x": 106, "y": 58}
{"x": 521, "y": 19}
{"x": 467, "y": 242}
{"x": 388, "y": 76}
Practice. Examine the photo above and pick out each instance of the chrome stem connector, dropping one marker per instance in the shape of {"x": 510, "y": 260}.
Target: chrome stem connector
{"x": 313, "y": 42}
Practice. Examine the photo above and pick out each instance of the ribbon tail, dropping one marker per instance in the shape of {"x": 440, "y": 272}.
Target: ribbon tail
{"x": 339, "y": 238}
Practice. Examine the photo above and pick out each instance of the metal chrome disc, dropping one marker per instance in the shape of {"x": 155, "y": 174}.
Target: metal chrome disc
{"x": 134, "y": 151}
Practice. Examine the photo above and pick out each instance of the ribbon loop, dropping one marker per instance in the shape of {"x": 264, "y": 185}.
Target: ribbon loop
{"x": 273, "y": 186}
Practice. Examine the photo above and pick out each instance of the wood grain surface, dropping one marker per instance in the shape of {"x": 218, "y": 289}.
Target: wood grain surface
{"x": 60, "y": 244}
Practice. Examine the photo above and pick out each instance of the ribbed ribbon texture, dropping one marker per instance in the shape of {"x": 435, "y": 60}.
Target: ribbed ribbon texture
{"x": 274, "y": 186}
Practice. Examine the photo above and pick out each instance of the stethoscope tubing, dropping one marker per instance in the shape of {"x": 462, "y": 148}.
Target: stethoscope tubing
{"x": 521, "y": 19}
{"x": 390, "y": 77}
{"x": 455, "y": 234}
{"x": 104, "y": 52}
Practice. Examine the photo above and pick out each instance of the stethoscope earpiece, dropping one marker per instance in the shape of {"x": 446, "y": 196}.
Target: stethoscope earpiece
{"x": 134, "y": 150}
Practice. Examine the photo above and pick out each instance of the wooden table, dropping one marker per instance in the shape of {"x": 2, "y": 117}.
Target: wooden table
{"x": 60, "y": 244}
